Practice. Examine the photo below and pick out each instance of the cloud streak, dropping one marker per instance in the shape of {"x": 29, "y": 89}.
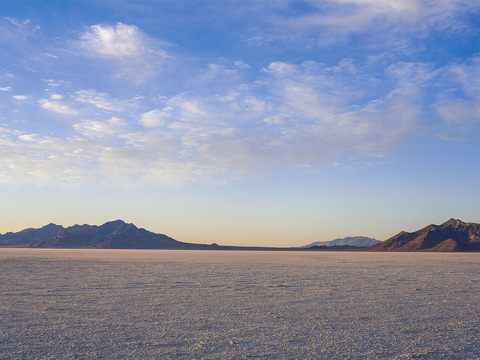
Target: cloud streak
{"x": 379, "y": 26}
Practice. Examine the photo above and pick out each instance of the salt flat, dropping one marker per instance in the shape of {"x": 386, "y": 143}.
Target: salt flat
{"x": 137, "y": 304}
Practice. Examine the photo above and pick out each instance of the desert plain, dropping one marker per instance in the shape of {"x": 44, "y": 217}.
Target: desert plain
{"x": 185, "y": 304}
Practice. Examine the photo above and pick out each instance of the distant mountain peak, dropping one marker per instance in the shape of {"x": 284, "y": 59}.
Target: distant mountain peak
{"x": 112, "y": 226}
{"x": 51, "y": 225}
{"x": 51, "y": 228}
{"x": 453, "y": 221}
{"x": 356, "y": 241}
{"x": 117, "y": 222}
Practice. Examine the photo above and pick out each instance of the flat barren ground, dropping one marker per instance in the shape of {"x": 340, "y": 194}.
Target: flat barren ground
{"x": 136, "y": 304}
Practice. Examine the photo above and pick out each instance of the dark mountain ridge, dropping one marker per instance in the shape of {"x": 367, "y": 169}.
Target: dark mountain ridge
{"x": 453, "y": 235}
{"x": 29, "y": 236}
{"x": 111, "y": 235}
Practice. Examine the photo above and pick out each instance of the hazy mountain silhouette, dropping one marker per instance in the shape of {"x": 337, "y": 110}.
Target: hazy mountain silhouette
{"x": 355, "y": 241}
{"x": 453, "y": 235}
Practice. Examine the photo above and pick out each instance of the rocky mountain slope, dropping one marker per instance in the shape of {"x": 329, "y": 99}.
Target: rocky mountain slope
{"x": 29, "y": 236}
{"x": 355, "y": 241}
{"x": 111, "y": 235}
{"x": 453, "y": 235}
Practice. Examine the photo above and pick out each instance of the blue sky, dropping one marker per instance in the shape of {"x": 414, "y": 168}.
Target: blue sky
{"x": 240, "y": 122}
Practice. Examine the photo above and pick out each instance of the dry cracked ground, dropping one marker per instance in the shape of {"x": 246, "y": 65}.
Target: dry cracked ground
{"x": 137, "y": 304}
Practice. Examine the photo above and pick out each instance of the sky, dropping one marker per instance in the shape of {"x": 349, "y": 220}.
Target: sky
{"x": 253, "y": 122}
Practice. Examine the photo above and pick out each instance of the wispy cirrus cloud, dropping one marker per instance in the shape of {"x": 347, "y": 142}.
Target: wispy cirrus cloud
{"x": 412, "y": 15}
{"x": 459, "y": 104}
{"x": 394, "y": 8}
{"x": 230, "y": 119}
{"x": 371, "y": 26}
{"x": 101, "y": 100}
{"x": 25, "y": 25}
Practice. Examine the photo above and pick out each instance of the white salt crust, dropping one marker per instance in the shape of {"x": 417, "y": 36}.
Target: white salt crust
{"x": 137, "y": 304}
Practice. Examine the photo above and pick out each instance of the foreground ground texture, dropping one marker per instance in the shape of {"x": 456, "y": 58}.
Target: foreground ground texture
{"x": 128, "y": 304}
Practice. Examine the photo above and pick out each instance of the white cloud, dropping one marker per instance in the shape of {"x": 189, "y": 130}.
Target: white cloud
{"x": 51, "y": 83}
{"x": 461, "y": 117}
{"x": 304, "y": 116}
{"x": 29, "y": 137}
{"x": 241, "y": 65}
{"x": 226, "y": 119}
{"x": 386, "y": 26}
{"x": 317, "y": 119}
{"x": 24, "y": 25}
{"x": 133, "y": 53}
{"x": 100, "y": 128}
{"x": 156, "y": 117}
{"x": 119, "y": 41}
{"x": 18, "y": 22}
{"x": 33, "y": 158}
{"x": 459, "y": 104}
{"x": 100, "y": 100}
{"x": 409, "y": 6}
{"x": 274, "y": 120}
{"x": 57, "y": 107}
{"x": 188, "y": 108}
{"x": 254, "y": 104}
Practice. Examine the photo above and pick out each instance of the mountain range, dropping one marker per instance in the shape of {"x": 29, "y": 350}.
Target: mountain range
{"x": 356, "y": 241}
{"x": 453, "y": 235}
{"x": 111, "y": 235}
{"x": 120, "y": 235}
